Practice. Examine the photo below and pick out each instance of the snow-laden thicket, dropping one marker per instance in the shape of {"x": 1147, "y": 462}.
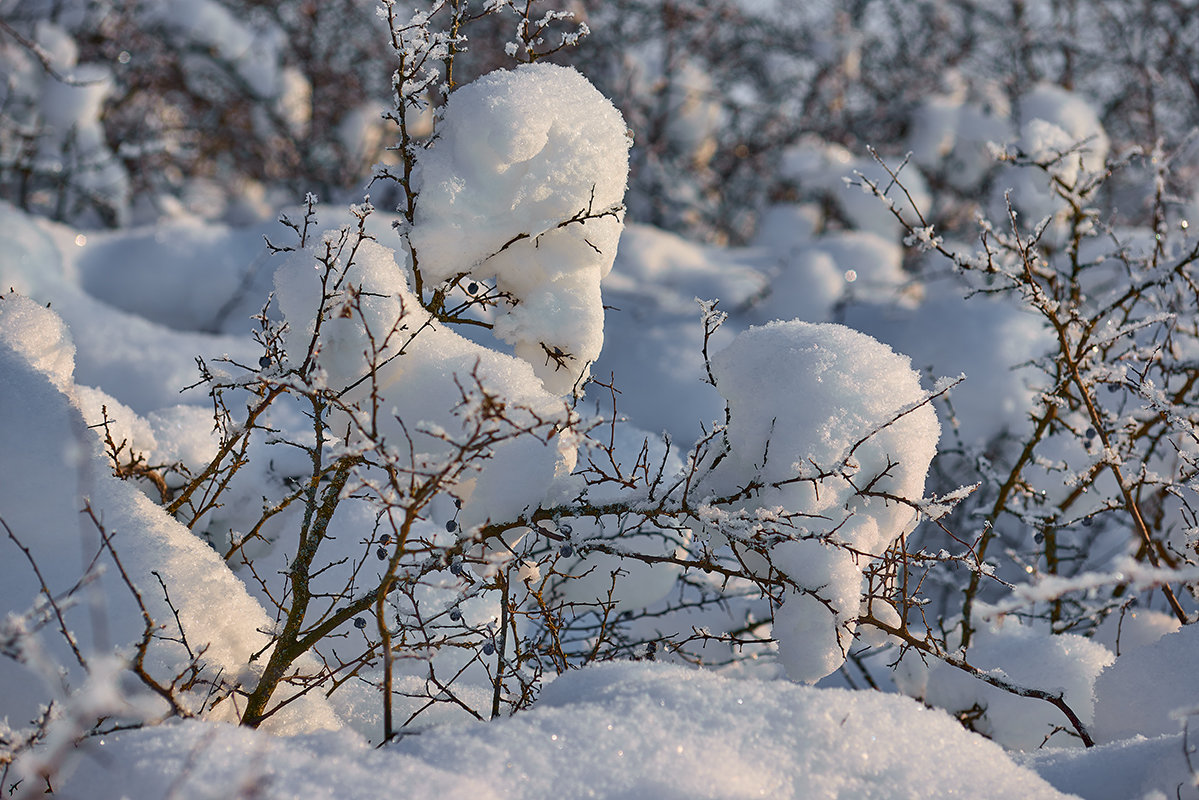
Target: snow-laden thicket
{"x": 420, "y": 463}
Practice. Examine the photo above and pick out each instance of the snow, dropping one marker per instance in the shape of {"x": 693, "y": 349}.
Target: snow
{"x": 992, "y": 340}
{"x": 1025, "y": 656}
{"x": 71, "y": 111}
{"x": 40, "y": 336}
{"x": 1131, "y": 628}
{"x": 550, "y": 169}
{"x": 1060, "y": 129}
{"x": 209, "y": 25}
{"x": 822, "y": 169}
{"x": 807, "y": 397}
{"x": 837, "y": 324}
{"x": 815, "y": 274}
{"x": 839, "y": 410}
{"x": 1138, "y": 767}
{"x": 598, "y": 580}
{"x": 151, "y": 273}
{"x": 1073, "y": 115}
{"x": 617, "y": 730}
{"x": 950, "y": 133}
{"x": 519, "y": 472}
{"x": 62, "y": 466}
{"x": 1139, "y": 693}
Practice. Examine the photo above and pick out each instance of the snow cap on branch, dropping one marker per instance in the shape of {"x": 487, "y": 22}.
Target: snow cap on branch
{"x": 822, "y": 399}
{"x": 824, "y": 421}
{"x": 524, "y": 186}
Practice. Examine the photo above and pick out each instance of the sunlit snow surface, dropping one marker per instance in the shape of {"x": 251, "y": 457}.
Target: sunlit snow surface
{"x": 613, "y": 731}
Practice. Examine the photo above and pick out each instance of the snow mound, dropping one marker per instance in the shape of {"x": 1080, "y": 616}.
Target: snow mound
{"x": 524, "y": 187}
{"x": 815, "y": 276}
{"x": 152, "y": 272}
{"x": 825, "y": 170}
{"x": 620, "y": 730}
{"x": 950, "y": 133}
{"x": 1136, "y": 767}
{"x": 992, "y": 339}
{"x": 1141, "y": 690}
{"x": 1061, "y": 129}
{"x": 1072, "y": 115}
{"x": 38, "y": 334}
{"x": 1027, "y": 657}
{"x": 42, "y": 495}
{"x": 676, "y": 271}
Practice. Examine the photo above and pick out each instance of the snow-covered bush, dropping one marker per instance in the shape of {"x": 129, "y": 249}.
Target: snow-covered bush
{"x": 1093, "y": 503}
{"x": 523, "y": 190}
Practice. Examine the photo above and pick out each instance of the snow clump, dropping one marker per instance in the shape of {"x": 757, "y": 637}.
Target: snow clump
{"x": 524, "y": 186}
{"x": 38, "y": 334}
{"x": 818, "y": 411}
{"x": 950, "y": 132}
{"x": 822, "y": 170}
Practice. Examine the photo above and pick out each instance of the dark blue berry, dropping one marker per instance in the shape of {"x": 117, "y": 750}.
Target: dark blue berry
{"x": 455, "y": 615}
{"x": 359, "y": 623}
{"x": 1091, "y": 433}
{"x": 1039, "y": 537}
{"x": 381, "y": 553}
{"x": 264, "y": 362}
{"x": 488, "y": 649}
{"x": 451, "y": 525}
{"x": 472, "y": 287}
{"x": 1113, "y": 387}
{"x": 455, "y": 568}
{"x": 385, "y": 538}
{"x": 1087, "y": 522}
{"x": 457, "y": 503}
{"x": 566, "y": 551}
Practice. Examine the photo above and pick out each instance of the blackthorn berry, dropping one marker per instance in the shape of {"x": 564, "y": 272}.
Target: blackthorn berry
{"x": 264, "y": 362}
{"x": 455, "y": 615}
{"x": 359, "y": 623}
{"x": 566, "y": 551}
{"x": 381, "y": 553}
{"x": 488, "y": 649}
{"x": 451, "y": 525}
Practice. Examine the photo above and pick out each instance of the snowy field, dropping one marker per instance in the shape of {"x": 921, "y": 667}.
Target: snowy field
{"x": 522, "y": 478}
